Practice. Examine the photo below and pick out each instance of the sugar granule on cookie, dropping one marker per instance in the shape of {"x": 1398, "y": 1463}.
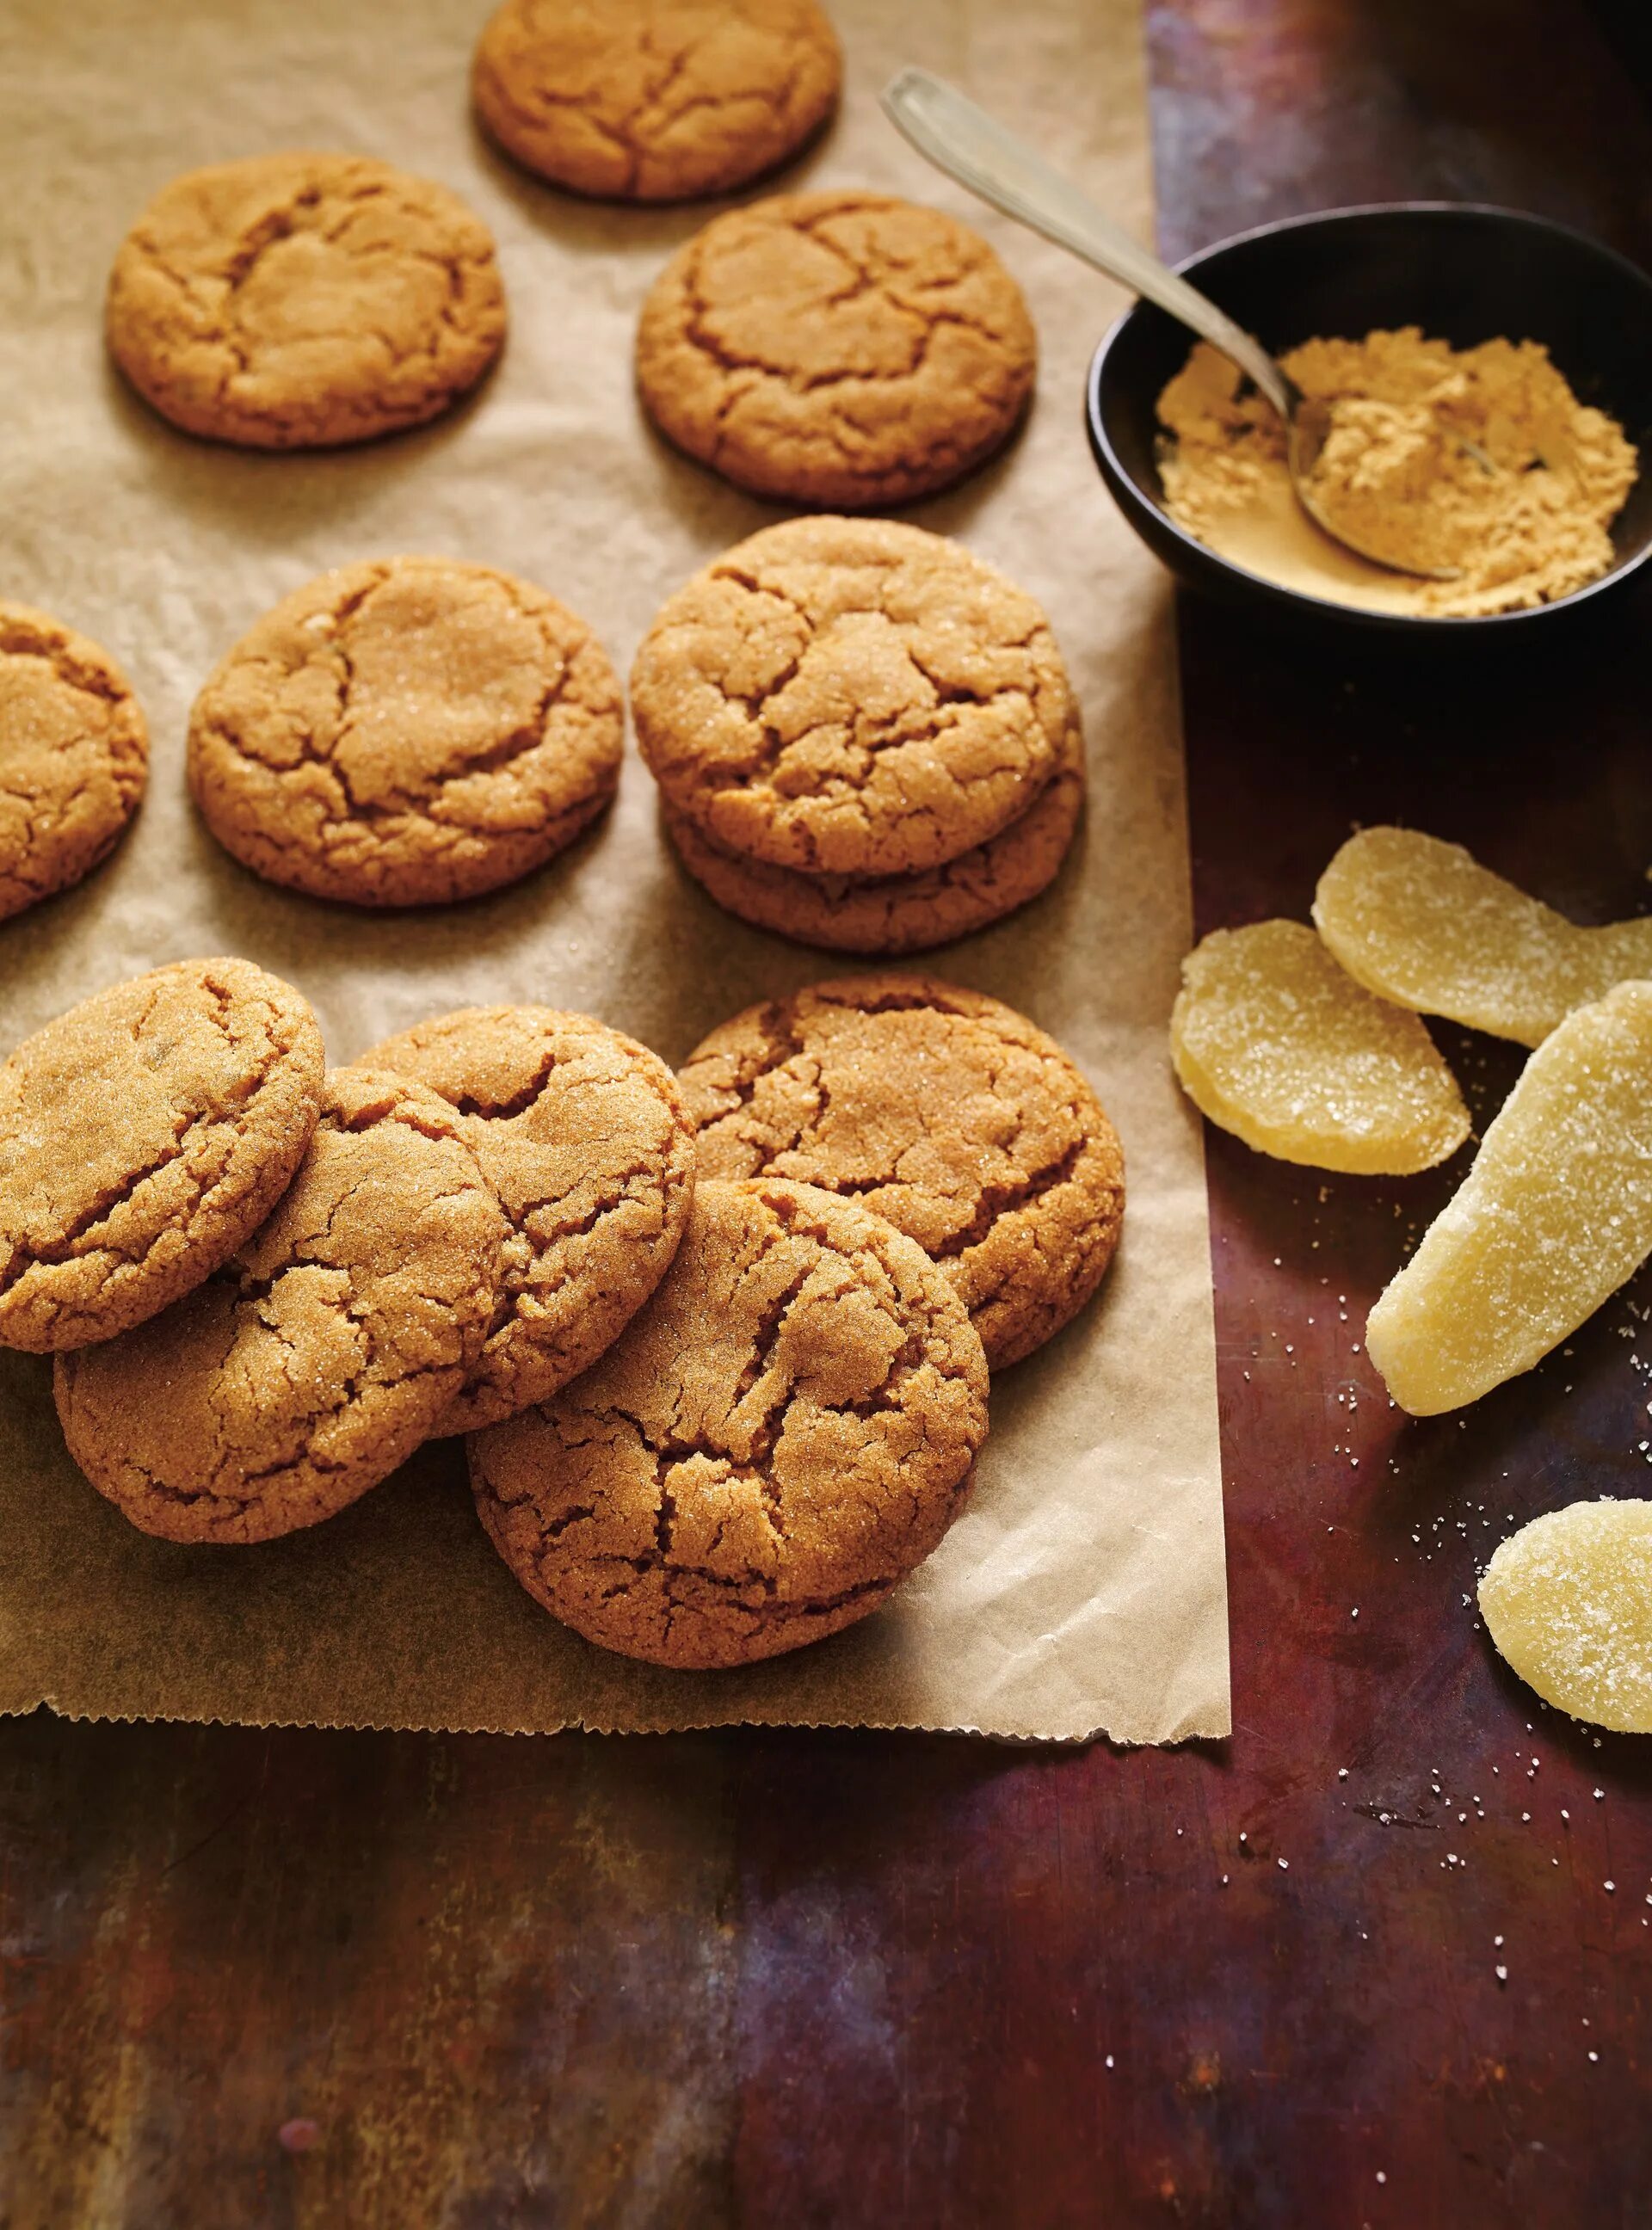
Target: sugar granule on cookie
{"x": 73, "y": 756}
{"x": 654, "y": 100}
{"x": 407, "y": 731}
{"x": 143, "y": 1136}
{"x": 768, "y": 1449}
{"x": 322, "y": 1353}
{"x": 891, "y": 914}
{"x": 945, "y": 1111}
{"x": 842, "y": 349}
{"x": 850, "y": 697}
{"x": 580, "y": 1131}
{"x": 302, "y": 300}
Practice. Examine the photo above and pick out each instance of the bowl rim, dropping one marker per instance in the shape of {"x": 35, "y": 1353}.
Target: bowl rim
{"x": 1117, "y": 475}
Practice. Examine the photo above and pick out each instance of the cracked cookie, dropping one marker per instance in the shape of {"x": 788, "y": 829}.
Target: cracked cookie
{"x": 654, "y": 100}
{"x": 843, "y": 350}
{"x": 322, "y": 1353}
{"x": 143, "y": 1136}
{"x": 302, "y": 300}
{"x": 770, "y": 1445}
{"x": 850, "y": 697}
{"x": 74, "y": 757}
{"x": 899, "y": 913}
{"x": 581, "y": 1134}
{"x": 407, "y": 731}
{"x": 939, "y": 1109}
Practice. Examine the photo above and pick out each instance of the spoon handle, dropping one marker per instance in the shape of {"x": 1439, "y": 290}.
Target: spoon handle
{"x": 974, "y": 148}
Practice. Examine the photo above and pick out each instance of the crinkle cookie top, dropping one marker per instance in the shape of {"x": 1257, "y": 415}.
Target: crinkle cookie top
{"x": 143, "y": 1136}
{"x": 654, "y": 100}
{"x": 769, "y": 1448}
{"x": 322, "y": 1353}
{"x": 302, "y": 300}
{"x": 844, "y": 350}
{"x": 942, "y": 1109}
{"x": 581, "y": 1132}
{"x": 73, "y": 756}
{"x": 406, "y": 732}
{"x": 850, "y": 697}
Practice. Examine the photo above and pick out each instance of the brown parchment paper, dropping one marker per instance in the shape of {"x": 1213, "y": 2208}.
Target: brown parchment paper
{"x": 1083, "y": 1591}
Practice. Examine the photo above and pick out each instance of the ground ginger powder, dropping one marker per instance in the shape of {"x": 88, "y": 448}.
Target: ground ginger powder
{"x": 1395, "y": 473}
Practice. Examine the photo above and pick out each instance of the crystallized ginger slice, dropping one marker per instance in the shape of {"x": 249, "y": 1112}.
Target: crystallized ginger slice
{"x": 1272, "y": 1041}
{"x": 1422, "y": 923}
{"x": 1554, "y": 1216}
{"x": 1568, "y": 1602}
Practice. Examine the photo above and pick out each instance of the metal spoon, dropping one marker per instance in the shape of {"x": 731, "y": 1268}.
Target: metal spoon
{"x": 977, "y": 151}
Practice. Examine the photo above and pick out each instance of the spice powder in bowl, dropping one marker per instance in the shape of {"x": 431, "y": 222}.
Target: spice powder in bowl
{"x": 1524, "y": 522}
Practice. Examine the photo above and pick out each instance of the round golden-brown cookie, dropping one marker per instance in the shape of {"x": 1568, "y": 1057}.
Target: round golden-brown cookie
{"x": 655, "y": 101}
{"x": 302, "y": 300}
{"x": 850, "y": 697}
{"x": 73, "y": 756}
{"x": 407, "y": 731}
{"x": 843, "y": 350}
{"x": 941, "y": 1109}
{"x": 769, "y": 1448}
{"x": 899, "y": 913}
{"x": 322, "y": 1354}
{"x": 145, "y": 1135}
{"x": 580, "y": 1131}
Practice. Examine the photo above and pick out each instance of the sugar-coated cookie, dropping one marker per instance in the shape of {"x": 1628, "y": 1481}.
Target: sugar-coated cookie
{"x": 654, "y": 100}
{"x": 842, "y": 349}
{"x": 941, "y": 1109}
{"x": 406, "y": 732}
{"x": 322, "y": 1353}
{"x": 850, "y": 697}
{"x": 769, "y": 1446}
{"x": 580, "y": 1131}
{"x": 143, "y": 1136}
{"x": 892, "y": 914}
{"x": 302, "y": 300}
{"x": 73, "y": 756}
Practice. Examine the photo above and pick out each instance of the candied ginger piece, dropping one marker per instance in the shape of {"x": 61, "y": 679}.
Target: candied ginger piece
{"x": 1554, "y": 1216}
{"x": 1272, "y": 1041}
{"x": 1568, "y": 1602}
{"x": 1422, "y": 923}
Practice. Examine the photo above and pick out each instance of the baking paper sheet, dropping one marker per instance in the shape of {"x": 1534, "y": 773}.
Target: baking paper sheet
{"x": 1083, "y": 1591}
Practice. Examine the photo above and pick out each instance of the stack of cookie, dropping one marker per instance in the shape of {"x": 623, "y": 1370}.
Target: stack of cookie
{"x": 708, "y": 1421}
{"x": 864, "y": 736}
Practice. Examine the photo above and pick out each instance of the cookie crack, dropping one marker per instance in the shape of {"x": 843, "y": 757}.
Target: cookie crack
{"x": 190, "y": 1125}
{"x": 996, "y": 1201}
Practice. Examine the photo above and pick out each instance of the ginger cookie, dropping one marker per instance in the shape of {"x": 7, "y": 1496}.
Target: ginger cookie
{"x": 322, "y": 1353}
{"x": 944, "y": 1111}
{"x": 407, "y": 731}
{"x": 655, "y": 101}
{"x": 74, "y": 757}
{"x": 850, "y": 697}
{"x": 143, "y": 1136}
{"x": 581, "y": 1134}
{"x": 843, "y": 350}
{"x": 769, "y": 1446}
{"x": 900, "y": 913}
{"x": 302, "y": 300}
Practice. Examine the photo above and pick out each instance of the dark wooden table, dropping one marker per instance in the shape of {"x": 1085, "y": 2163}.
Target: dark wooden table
{"x": 1384, "y": 1959}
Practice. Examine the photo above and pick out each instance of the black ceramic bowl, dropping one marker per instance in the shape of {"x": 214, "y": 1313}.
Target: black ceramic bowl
{"x": 1465, "y": 275}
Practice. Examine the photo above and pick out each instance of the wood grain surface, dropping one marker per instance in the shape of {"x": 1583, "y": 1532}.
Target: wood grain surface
{"x": 319, "y": 1980}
